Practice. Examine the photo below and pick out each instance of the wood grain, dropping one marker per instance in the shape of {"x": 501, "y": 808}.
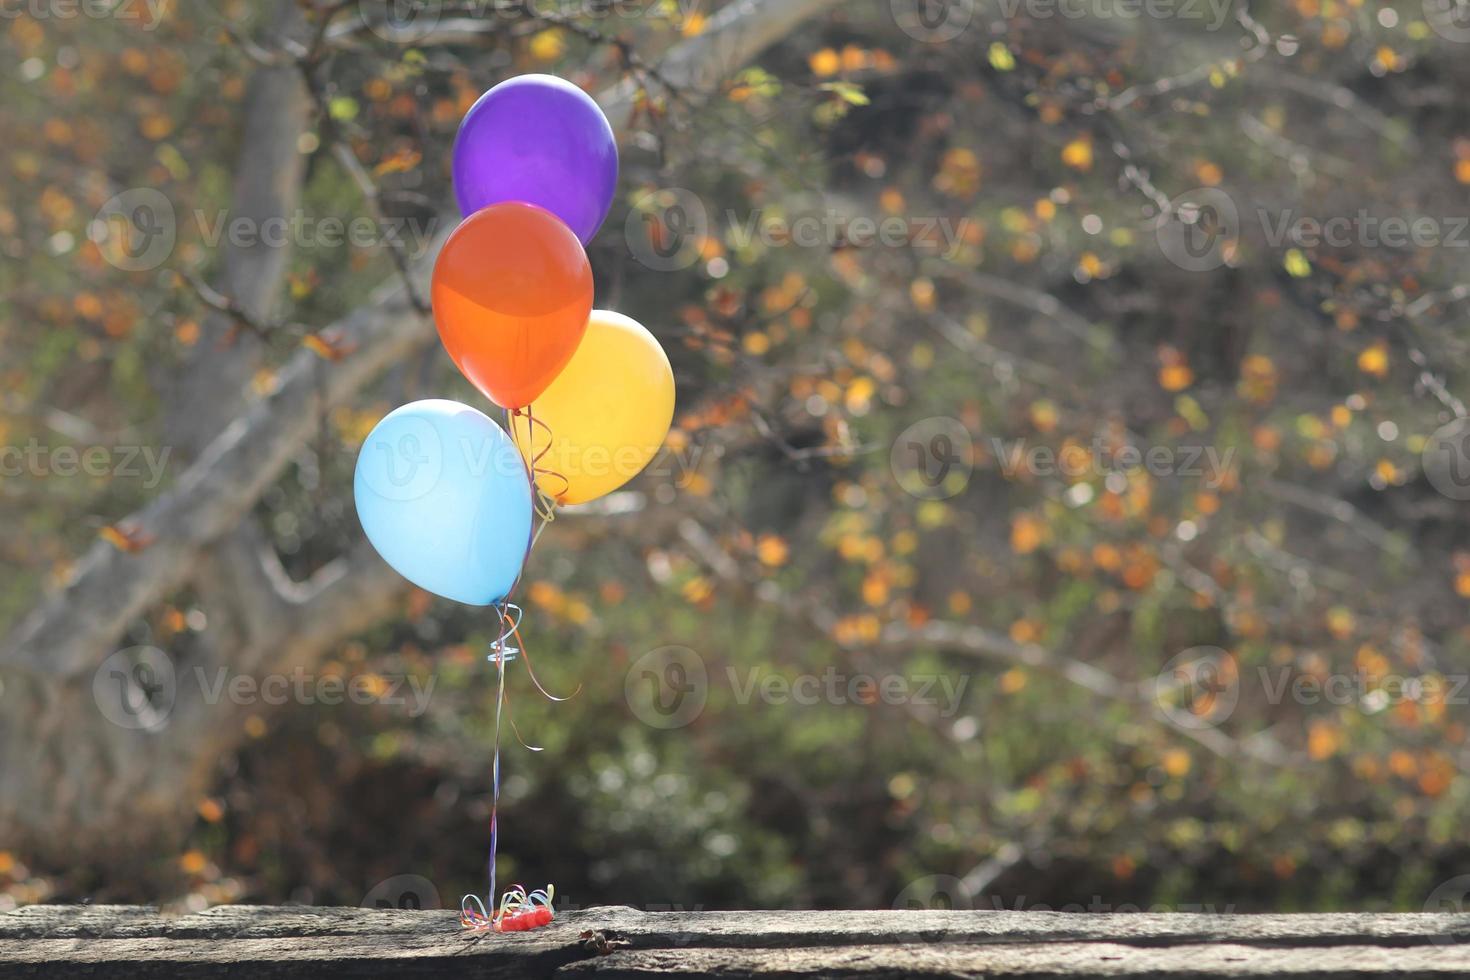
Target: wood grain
{"x": 318, "y": 943}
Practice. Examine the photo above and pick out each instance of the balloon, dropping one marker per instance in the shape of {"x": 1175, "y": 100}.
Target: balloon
{"x": 607, "y": 413}
{"x": 541, "y": 140}
{"x": 512, "y": 292}
{"x": 444, "y": 497}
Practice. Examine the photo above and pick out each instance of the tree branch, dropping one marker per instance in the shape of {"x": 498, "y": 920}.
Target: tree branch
{"x": 213, "y": 381}
{"x": 67, "y": 632}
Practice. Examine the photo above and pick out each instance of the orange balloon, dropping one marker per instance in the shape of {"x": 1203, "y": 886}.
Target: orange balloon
{"x": 512, "y": 293}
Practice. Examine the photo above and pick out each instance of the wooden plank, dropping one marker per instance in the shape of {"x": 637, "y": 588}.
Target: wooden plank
{"x": 791, "y": 929}
{"x": 765, "y": 928}
{"x": 1031, "y": 961}
{"x": 102, "y": 941}
{"x": 35, "y": 921}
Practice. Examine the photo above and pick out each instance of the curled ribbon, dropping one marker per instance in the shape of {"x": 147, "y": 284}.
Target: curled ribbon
{"x": 519, "y": 910}
{"x": 546, "y": 503}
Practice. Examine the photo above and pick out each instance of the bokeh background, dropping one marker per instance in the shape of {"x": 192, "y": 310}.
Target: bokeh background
{"x": 1065, "y": 505}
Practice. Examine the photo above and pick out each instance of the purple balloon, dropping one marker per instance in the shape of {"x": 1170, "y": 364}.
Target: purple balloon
{"x": 538, "y": 139}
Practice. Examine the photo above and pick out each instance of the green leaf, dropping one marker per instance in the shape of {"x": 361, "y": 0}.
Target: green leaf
{"x": 848, "y": 92}
{"x": 343, "y": 108}
{"x": 1297, "y": 264}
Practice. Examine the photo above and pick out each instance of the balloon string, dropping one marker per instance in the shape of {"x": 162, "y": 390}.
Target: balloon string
{"x": 543, "y": 513}
{"x": 518, "y": 909}
{"x": 500, "y": 652}
{"x": 545, "y": 510}
{"x": 500, "y": 656}
{"x": 512, "y": 614}
{"x": 546, "y": 502}
{"x": 526, "y": 659}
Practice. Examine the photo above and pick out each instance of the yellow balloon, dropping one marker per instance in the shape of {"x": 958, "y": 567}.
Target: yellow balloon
{"x": 605, "y": 416}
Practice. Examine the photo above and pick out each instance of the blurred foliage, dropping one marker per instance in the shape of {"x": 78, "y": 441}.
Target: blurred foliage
{"x": 777, "y": 538}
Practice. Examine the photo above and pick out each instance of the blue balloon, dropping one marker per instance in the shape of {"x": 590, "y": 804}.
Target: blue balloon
{"x": 443, "y": 495}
